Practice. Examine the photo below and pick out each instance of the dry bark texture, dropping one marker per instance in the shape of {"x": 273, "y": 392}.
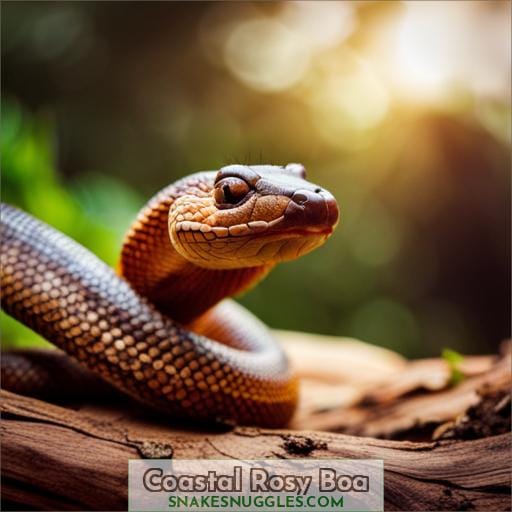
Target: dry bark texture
{"x": 444, "y": 447}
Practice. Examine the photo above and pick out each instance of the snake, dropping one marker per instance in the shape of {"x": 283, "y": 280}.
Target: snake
{"x": 162, "y": 327}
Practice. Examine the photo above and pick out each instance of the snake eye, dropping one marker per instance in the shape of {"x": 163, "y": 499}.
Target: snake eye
{"x": 230, "y": 190}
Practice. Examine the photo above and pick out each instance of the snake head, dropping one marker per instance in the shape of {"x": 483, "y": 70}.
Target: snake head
{"x": 246, "y": 216}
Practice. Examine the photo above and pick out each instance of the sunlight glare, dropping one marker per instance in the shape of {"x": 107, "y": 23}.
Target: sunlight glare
{"x": 422, "y": 64}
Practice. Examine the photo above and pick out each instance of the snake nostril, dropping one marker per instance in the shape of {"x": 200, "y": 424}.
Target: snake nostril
{"x": 318, "y": 190}
{"x": 300, "y": 198}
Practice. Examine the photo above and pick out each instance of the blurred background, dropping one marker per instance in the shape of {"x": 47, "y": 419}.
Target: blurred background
{"x": 400, "y": 109}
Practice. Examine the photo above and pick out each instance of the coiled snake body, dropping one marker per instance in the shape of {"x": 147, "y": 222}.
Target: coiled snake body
{"x": 161, "y": 332}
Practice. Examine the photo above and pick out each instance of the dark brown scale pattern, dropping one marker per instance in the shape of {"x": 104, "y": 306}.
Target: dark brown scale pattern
{"x": 51, "y": 375}
{"x": 70, "y": 297}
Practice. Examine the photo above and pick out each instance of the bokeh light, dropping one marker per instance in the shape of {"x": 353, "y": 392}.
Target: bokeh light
{"x": 323, "y": 24}
{"x": 346, "y": 100}
{"x": 265, "y": 55}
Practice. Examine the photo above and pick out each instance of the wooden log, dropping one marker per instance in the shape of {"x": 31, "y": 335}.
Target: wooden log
{"x": 76, "y": 457}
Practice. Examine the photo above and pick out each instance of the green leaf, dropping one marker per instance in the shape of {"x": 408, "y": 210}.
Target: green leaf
{"x": 453, "y": 359}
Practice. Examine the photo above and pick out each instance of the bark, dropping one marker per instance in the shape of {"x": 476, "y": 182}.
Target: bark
{"x": 444, "y": 447}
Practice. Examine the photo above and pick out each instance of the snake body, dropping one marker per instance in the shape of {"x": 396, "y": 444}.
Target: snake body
{"x": 160, "y": 330}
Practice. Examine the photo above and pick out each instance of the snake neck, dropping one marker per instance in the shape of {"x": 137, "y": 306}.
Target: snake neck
{"x": 186, "y": 296}
{"x": 178, "y": 288}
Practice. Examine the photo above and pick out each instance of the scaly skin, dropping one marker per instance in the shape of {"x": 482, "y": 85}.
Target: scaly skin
{"x": 130, "y": 330}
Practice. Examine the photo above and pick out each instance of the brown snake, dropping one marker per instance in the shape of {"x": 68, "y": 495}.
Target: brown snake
{"x": 151, "y": 332}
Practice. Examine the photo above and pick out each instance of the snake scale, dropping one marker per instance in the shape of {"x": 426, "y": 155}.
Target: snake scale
{"x": 159, "y": 329}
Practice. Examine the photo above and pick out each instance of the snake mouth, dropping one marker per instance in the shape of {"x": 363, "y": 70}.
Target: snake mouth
{"x": 256, "y": 229}
{"x": 281, "y": 229}
{"x": 307, "y": 231}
